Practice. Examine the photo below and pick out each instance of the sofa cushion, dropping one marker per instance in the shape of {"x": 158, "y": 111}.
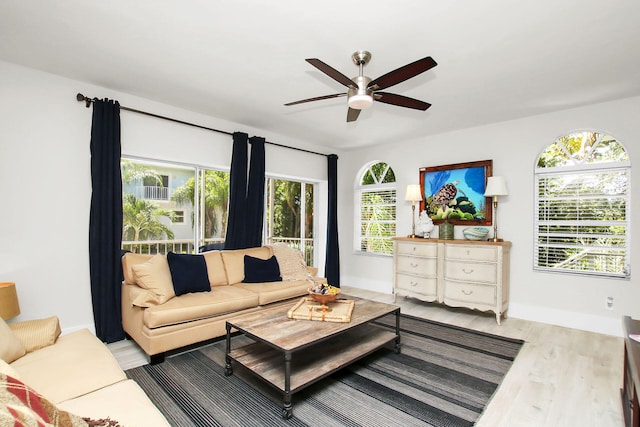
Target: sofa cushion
{"x": 291, "y": 262}
{"x": 7, "y": 369}
{"x": 215, "y": 268}
{"x": 155, "y": 276}
{"x": 23, "y": 406}
{"x": 78, "y": 363}
{"x": 140, "y": 297}
{"x": 128, "y": 261}
{"x": 188, "y": 273}
{"x": 234, "y": 261}
{"x": 276, "y": 291}
{"x": 193, "y": 306}
{"x": 10, "y": 346}
{"x": 124, "y": 401}
{"x": 258, "y": 270}
{"x": 36, "y": 334}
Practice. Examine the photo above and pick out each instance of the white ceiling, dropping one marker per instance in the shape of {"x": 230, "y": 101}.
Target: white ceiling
{"x": 242, "y": 60}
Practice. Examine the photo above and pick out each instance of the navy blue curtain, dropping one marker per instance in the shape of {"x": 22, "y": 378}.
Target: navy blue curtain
{"x": 237, "y": 193}
{"x": 255, "y": 194}
{"x": 105, "y": 221}
{"x": 332, "y": 260}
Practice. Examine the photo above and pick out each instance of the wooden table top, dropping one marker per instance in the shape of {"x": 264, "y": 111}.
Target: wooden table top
{"x": 274, "y": 327}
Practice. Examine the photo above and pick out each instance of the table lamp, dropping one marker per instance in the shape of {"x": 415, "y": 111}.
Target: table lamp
{"x": 413, "y": 195}
{"x": 9, "y": 307}
{"x": 496, "y": 186}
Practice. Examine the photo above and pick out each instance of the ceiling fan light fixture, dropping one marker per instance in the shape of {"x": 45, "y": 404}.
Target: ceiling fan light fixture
{"x": 360, "y": 96}
{"x": 360, "y": 101}
{"x": 361, "y": 90}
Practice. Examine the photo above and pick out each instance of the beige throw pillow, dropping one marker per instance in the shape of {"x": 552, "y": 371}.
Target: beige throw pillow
{"x": 6, "y": 369}
{"x": 36, "y": 334}
{"x": 292, "y": 265}
{"x": 155, "y": 276}
{"x": 10, "y": 346}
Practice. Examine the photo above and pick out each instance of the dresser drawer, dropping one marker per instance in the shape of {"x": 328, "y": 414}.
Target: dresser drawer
{"x": 417, "y": 249}
{"x": 471, "y": 271}
{"x": 468, "y": 252}
{"x": 470, "y": 293}
{"x": 417, "y": 266}
{"x": 421, "y": 285}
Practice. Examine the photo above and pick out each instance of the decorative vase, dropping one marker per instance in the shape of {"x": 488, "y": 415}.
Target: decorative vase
{"x": 475, "y": 233}
{"x": 445, "y": 230}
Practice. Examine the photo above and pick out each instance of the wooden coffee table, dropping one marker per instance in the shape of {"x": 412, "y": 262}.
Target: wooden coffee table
{"x": 292, "y": 354}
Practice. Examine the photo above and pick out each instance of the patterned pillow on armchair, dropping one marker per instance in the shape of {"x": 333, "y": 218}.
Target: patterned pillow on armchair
{"x": 20, "y": 405}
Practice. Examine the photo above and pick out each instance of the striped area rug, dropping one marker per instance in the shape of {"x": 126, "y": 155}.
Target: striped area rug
{"x": 444, "y": 377}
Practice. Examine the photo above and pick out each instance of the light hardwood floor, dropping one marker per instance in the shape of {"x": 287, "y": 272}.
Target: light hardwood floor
{"x": 561, "y": 377}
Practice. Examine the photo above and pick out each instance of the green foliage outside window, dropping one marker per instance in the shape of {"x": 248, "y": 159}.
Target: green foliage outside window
{"x": 582, "y": 198}
{"x": 377, "y": 209}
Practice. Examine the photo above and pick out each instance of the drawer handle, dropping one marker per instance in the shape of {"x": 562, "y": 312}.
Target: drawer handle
{"x": 414, "y": 265}
{"x": 464, "y": 270}
{"x": 468, "y": 252}
{"x": 412, "y": 283}
{"x": 467, "y": 292}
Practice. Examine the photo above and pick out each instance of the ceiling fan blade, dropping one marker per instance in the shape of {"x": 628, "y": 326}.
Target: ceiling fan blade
{"x": 317, "y": 98}
{"x": 403, "y": 73}
{"x": 352, "y": 114}
{"x": 401, "y": 101}
{"x": 331, "y": 72}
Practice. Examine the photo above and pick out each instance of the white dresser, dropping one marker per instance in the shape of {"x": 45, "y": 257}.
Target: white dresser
{"x": 458, "y": 273}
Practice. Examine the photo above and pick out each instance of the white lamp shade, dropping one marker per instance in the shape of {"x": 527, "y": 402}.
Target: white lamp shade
{"x": 496, "y": 186}
{"x": 413, "y": 193}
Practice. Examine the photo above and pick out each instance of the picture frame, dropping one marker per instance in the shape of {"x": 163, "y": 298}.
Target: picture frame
{"x": 456, "y": 193}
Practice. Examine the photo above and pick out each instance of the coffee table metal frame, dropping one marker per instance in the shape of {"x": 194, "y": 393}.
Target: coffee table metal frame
{"x": 322, "y": 347}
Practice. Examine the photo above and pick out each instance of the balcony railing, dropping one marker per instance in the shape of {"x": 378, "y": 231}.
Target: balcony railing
{"x": 153, "y": 247}
{"x": 304, "y": 245}
{"x": 149, "y": 192}
{"x": 156, "y": 193}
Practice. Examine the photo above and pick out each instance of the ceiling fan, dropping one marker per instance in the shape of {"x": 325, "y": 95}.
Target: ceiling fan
{"x": 362, "y": 90}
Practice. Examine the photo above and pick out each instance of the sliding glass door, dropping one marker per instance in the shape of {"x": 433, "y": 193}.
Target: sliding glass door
{"x": 289, "y": 215}
{"x": 181, "y": 208}
{"x": 172, "y": 207}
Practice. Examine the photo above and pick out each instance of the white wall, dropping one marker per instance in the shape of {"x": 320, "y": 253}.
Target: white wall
{"x": 45, "y": 189}
{"x": 45, "y": 181}
{"x": 514, "y": 146}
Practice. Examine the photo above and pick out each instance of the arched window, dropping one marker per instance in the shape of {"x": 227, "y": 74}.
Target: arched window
{"x": 376, "y": 207}
{"x": 582, "y": 199}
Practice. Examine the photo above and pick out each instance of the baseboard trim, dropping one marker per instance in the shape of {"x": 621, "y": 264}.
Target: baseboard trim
{"x": 550, "y": 316}
{"x": 78, "y": 328}
{"x": 382, "y": 286}
{"x": 569, "y": 319}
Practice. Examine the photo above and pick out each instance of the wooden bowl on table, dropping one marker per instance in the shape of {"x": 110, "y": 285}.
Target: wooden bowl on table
{"x": 330, "y": 294}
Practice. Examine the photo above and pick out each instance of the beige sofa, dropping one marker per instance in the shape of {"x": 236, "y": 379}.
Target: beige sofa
{"x": 75, "y": 375}
{"x": 159, "y": 321}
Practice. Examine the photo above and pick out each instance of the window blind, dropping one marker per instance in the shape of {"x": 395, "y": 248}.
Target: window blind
{"x": 582, "y": 222}
{"x": 377, "y": 220}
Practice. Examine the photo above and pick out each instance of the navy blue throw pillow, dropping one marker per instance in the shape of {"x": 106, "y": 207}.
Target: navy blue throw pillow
{"x": 188, "y": 273}
{"x": 258, "y": 270}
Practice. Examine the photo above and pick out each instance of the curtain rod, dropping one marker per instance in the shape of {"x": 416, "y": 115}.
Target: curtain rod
{"x": 80, "y": 97}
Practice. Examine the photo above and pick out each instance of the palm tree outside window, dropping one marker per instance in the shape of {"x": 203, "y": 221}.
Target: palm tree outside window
{"x": 376, "y": 204}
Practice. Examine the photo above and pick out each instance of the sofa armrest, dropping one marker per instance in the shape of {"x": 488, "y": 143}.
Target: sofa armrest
{"x": 37, "y": 334}
{"x": 313, "y": 270}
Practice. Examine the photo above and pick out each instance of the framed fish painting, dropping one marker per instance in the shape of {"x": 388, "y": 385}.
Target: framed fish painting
{"x": 456, "y": 193}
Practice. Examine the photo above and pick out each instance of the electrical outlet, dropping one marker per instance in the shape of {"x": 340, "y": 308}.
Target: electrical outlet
{"x": 609, "y": 303}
